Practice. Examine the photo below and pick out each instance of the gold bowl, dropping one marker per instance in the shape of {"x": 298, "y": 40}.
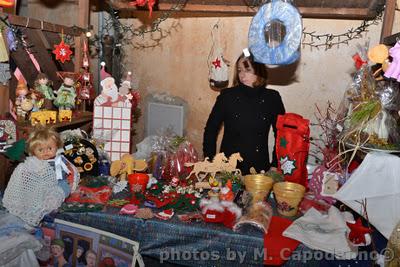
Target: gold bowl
{"x": 258, "y": 185}
{"x": 288, "y": 197}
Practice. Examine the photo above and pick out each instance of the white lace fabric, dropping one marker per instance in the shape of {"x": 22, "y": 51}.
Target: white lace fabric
{"x": 33, "y": 191}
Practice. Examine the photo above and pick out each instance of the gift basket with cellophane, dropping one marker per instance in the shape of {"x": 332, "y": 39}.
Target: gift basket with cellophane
{"x": 368, "y": 115}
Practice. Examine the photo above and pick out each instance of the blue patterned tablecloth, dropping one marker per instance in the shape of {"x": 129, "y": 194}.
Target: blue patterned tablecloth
{"x": 199, "y": 244}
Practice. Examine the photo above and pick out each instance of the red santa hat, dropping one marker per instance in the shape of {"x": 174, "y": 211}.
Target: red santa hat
{"x": 225, "y": 212}
{"x": 103, "y": 73}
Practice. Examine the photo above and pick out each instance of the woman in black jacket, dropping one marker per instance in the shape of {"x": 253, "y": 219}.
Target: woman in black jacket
{"x": 247, "y": 111}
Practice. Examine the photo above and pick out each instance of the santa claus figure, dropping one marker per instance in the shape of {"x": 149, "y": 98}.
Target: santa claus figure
{"x": 109, "y": 95}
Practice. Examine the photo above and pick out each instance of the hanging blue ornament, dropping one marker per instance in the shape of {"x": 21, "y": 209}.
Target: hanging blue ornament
{"x": 272, "y": 46}
{"x": 11, "y": 40}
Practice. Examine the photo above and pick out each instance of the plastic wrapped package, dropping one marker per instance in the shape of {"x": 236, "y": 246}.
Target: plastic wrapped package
{"x": 389, "y": 95}
{"x": 167, "y": 155}
{"x": 368, "y": 112}
{"x": 361, "y": 89}
{"x": 179, "y": 152}
{"x": 259, "y": 215}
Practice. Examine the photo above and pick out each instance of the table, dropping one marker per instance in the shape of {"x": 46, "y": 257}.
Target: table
{"x": 198, "y": 244}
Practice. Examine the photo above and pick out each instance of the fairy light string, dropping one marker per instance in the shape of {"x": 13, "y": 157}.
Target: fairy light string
{"x": 329, "y": 40}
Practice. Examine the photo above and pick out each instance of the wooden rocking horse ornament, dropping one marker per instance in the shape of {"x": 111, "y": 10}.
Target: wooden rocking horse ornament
{"x": 219, "y": 164}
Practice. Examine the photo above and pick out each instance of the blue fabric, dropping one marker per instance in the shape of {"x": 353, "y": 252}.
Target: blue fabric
{"x": 64, "y": 186}
{"x": 201, "y": 244}
{"x": 63, "y": 183}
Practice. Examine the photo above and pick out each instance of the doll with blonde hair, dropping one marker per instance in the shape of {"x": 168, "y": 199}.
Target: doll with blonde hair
{"x": 45, "y": 144}
{"x": 40, "y": 184}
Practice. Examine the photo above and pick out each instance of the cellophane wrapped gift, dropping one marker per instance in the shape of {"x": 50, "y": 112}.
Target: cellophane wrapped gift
{"x": 179, "y": 152}
{"x": 368, "y": 114}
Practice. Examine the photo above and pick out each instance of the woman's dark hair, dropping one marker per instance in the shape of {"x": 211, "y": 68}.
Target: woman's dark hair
{"x": 259, "y": 69}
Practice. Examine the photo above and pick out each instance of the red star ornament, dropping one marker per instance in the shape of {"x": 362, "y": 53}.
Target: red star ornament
{"x": 217, "y": 63}
{"x": 358, "y": 232}
{"x": 62, "y": 52}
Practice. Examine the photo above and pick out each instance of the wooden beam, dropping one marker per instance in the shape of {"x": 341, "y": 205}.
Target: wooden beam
{"x": 83, "y": 21}
{"x": 238, "y": 8}
{"x": 392, "y": 39}
{"x": 42, "y": 55}
{"x": 42, "y": 25}
{"x": 388, "y": 19}
{"x": 28, "y": 70}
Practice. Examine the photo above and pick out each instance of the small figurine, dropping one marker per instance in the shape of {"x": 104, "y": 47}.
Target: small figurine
{"x": 126, "y": 165}
{"x": 21, "y": 93}
{"x": 219, "y": 164}
{"x": 109, "y": 94}
{"x": 226, "y": 192}
{"x": 37, "y": 99}
{"x": 43, "y": 85}
{"x": 66, "y": 94}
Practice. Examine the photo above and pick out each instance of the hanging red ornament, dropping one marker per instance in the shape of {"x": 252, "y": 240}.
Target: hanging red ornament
{"x": 7, "y": 3}
{"x": 62, "y": 50}
{"x": 150, "y": 4}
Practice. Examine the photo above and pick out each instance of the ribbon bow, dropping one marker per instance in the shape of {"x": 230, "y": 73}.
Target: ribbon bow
{"x": 60, "y": 167}
{"x": 358, "y": 61}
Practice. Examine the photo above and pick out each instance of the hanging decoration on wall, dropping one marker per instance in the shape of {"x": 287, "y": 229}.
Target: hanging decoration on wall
{"x": 275, "y": 33}
{"x": 62, "y": 50}
{"x": 150, "y": 4}
{"x": 218, "y": 66}
{"x": 85, "y": 89}
{"x": 7, "y": 3}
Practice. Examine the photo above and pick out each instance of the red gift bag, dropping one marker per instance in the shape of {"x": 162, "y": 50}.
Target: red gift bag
{"x": 292, "y": 146}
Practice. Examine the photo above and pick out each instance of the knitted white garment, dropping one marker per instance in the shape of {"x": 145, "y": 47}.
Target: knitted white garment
{"x": 33, "y": 191}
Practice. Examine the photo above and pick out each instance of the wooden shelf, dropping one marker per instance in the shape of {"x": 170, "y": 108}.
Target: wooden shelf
{"x": 81, "y": 120}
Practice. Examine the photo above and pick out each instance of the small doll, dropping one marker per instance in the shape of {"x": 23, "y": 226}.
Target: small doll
{"x": 20, "y": 96}
{"x": 45, "y": 144}
{"x": 66, "y": 94}
{"x": 37, "y": 99}
{"x": 43, "y": 85}
{"x": 40, "y": 184}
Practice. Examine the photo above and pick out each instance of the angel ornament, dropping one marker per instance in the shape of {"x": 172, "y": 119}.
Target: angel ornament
{"x": 66, "y": 94}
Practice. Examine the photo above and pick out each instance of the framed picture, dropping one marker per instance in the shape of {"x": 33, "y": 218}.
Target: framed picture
{"x": 81, "y": 245}
{"x": 75, "y": 247}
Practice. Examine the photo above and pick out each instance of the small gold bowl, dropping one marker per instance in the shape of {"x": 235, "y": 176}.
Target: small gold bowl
{"x": 258, "y": 185}
{"x": 288, "y": 197}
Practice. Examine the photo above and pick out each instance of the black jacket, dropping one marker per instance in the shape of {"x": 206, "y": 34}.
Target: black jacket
{"x": 247, "y": 114}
